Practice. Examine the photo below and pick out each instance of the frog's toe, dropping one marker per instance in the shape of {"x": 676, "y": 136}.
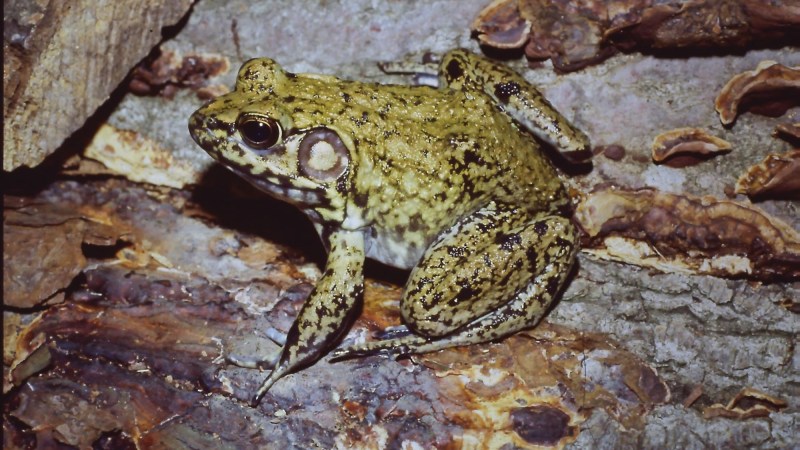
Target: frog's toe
{"x": 390, "y": 347}
{"x": 397, "y": 332}
{"x": 253, "y": 363}
{"x": 357, "y": 351}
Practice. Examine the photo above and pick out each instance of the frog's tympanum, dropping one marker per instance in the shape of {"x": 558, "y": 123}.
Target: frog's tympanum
{"x": 444, "y": 182}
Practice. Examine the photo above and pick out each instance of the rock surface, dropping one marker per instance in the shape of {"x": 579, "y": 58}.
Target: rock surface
{"x": 62, "y": 59}
{"x": 176, "y": 272}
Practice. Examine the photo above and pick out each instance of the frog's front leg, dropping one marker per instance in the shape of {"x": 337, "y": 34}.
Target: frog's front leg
{"x": 327, "y": 311}
{"x": 462, "y": 70}
{"x": 491, "y": 274}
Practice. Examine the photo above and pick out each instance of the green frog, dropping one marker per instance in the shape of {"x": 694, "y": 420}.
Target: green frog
{"x": 446, "y": 182}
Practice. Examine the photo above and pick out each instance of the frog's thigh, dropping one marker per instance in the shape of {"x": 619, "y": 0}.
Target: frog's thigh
{"x": 493, "y": 258}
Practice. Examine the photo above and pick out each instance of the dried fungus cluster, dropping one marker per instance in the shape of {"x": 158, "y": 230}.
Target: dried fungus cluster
{"x": 576, "y": 33}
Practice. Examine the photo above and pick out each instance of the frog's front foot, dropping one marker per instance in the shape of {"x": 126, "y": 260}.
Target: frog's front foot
{"x": 260, "y": 363}
{"x": 253, "y": 363}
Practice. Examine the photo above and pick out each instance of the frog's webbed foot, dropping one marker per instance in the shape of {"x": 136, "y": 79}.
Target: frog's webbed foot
{"x": 397, "y": 346}
{"x": 391, "y": 341}
{"x": 521, "y": 100}
{"x": 408, "y": 345}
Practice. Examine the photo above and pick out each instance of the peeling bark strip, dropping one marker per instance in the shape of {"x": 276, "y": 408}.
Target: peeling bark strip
{"x": 574, "y": 34}
{"x": 43, "y": 248}
{"x": 746, "y": 404}
{"x": 683, "y": 233}
{"x": 91, "y": 45}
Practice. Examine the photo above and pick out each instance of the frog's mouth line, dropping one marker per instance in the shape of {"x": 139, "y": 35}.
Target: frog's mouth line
{"x": 281, "y": 188}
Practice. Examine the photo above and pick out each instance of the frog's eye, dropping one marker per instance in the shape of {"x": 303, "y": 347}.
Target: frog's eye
{"x": 259, "y": 132}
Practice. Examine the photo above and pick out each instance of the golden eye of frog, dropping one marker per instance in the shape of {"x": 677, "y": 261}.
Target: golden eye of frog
{"x": 447, "y": 182}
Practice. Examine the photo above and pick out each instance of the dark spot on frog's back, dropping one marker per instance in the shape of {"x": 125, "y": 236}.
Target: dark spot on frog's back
{"x": 360, "y": 199}
{"x": 415, "y": 223}
{"x": 465, "y": 293}
{"x": 346, "y": 97}
{"x": 532, "y": 256}
{"x": 553, "y": 284}
{"x": 540, "y": 228}
{"x": 456, "y": 251}
{"x": 454, "y": 70}
{"x": 471, "y": 157}
{"x": 505, "y": 90}
{"x": 509, "y": 241}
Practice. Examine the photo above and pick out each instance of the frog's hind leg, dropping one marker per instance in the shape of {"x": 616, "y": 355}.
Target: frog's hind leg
{"x": 460, "y": 69}
{"x": 492, "y": 274}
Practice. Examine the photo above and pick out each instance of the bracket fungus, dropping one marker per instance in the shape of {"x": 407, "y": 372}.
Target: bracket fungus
{"x": 688, "y": 234}
{"x": 575, "y": 34}
{"x": 768, "y": 81}
{"x": 777, "y": 175}
{"x": 683, "y": 147}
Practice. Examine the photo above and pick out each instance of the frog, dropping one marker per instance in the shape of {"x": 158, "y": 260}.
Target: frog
{"x": 448, "y": 182}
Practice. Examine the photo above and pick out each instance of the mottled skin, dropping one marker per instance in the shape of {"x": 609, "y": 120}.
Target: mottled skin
{"x": 440, "y": 181}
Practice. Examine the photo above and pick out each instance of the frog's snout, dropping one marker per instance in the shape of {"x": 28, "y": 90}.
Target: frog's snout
{"x": 197, "y": 128}
{"x": 206, "y": 130}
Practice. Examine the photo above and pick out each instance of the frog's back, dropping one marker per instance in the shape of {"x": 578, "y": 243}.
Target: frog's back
{"x": 427, "y": 157}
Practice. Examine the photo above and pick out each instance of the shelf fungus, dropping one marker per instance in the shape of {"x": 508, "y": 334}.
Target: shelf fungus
{"x": 746, "y": 404}
{"x": 776, "y": 176}
{"x": 500, "y": 25}
{"x": 686, "y": 147}
{"x": 575, "y": 34}
{"x": 165, "y": 74}
{"x": 788, "y": 131}
{"x": 688, "y": 234}
{"x": 765, "y": 86}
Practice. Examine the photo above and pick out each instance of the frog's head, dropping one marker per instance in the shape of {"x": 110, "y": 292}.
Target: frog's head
{"x": 251, "y": 131}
